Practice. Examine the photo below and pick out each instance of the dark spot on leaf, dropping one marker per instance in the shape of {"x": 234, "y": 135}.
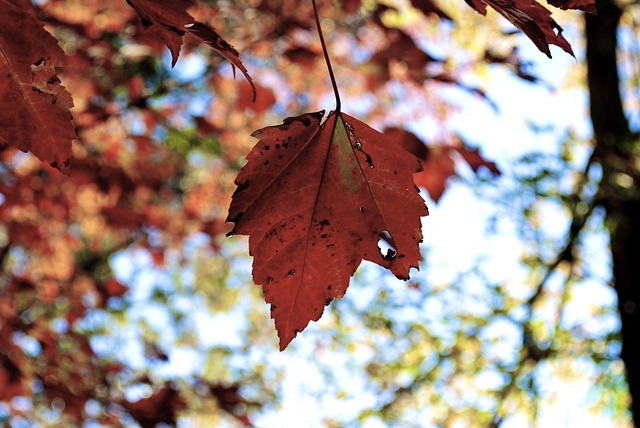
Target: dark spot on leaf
{"x": 324, "y": 223}
{"x": 266, "y": 162}
{"x": 329, "y": 287}
{"x": 39, "y": 62}
{"x": 266, "y": 147}
{"x": 277, "y": 146}
{"x": 361, "y": 208}
{"x": 145, "y": 22}
{"x": 292, "y": 272}
{"x": 53, "y": 98}
{"x": 324, "y": 235}
{"x": 400, "y": 256}
{"x": 269, "y": 279}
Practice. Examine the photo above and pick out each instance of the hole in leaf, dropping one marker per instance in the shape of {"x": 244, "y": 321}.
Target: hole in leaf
{"x": 386, "y": 245}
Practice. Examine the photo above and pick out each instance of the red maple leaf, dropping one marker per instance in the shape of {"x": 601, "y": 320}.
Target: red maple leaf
{"x": 533, "y": 19}
{"x": 439, "y": 160}
{"x": 34, "y": 106}
{"x": 169, "y": 21}
{"x": 315, "y": 200}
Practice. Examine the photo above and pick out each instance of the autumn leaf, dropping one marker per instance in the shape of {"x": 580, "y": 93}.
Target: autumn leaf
{"x": 34, "y": 106}
{"x": 169, "y": 21}
{"x": 262, "y": 103}
{"x": 439, "y": 160}
{"x": 586, "y": 5}
{"x": 162, "y": 406}
{"x": 533, "y": 19}
{"x": 429, "y": 7}
{"x": 315, "y": 200}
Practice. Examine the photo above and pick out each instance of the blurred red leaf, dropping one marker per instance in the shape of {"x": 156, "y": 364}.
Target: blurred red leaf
{"x": 315, "y": 200}
{"x": 11, "y": 384}
{"x": 438, "y": 161}
{"x": 230, "y": 400}
{"x": 429, "y": 7}
{"x": 169, "y": 21}
{"x": 437, "y": 170}
{"x": 162, "y": 406}
{"x": 532, "y": 19}
{"x": 586, "y": 5}
{"x": 303, "y": 56}
{"x": 351, "y": 6}
{"x": 475, "y": 160}
{"x": 264, "y": 99}
{"x": 114, "y": 288}
{"x": 34, "y": 106}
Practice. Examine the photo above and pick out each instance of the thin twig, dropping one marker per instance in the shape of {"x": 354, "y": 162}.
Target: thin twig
{"x": 326, "y": 57}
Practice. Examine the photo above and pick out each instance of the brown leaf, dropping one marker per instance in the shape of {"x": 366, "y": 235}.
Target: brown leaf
{"x": 162, "y": 406}
{"x": 34, "y": 106}
{"x": 429, "y": 7}
{"x": 531, "y": 18}
{"x": 315, "y": 200}
{"x": 303, "y": 56}
{"x": 170, "y": 21}
{"x": 513, "y": 61}
{"x": 586, "y": 5}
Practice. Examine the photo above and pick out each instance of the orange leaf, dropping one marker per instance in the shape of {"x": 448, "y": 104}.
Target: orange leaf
{"x": 34, "y": 106}
{"x": 315, "y": 201}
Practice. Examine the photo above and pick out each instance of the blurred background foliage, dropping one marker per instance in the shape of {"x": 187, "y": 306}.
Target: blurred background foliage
{"x": 123, "y": 303}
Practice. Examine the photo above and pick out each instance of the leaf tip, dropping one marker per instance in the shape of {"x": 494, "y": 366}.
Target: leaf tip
{"x": 285, "y": 340}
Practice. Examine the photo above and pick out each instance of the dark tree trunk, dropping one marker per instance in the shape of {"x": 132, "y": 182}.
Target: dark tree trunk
{"x": 620, "y": 183}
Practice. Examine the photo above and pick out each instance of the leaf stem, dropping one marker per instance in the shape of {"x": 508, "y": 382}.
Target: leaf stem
{"x": 326, "y": 57}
